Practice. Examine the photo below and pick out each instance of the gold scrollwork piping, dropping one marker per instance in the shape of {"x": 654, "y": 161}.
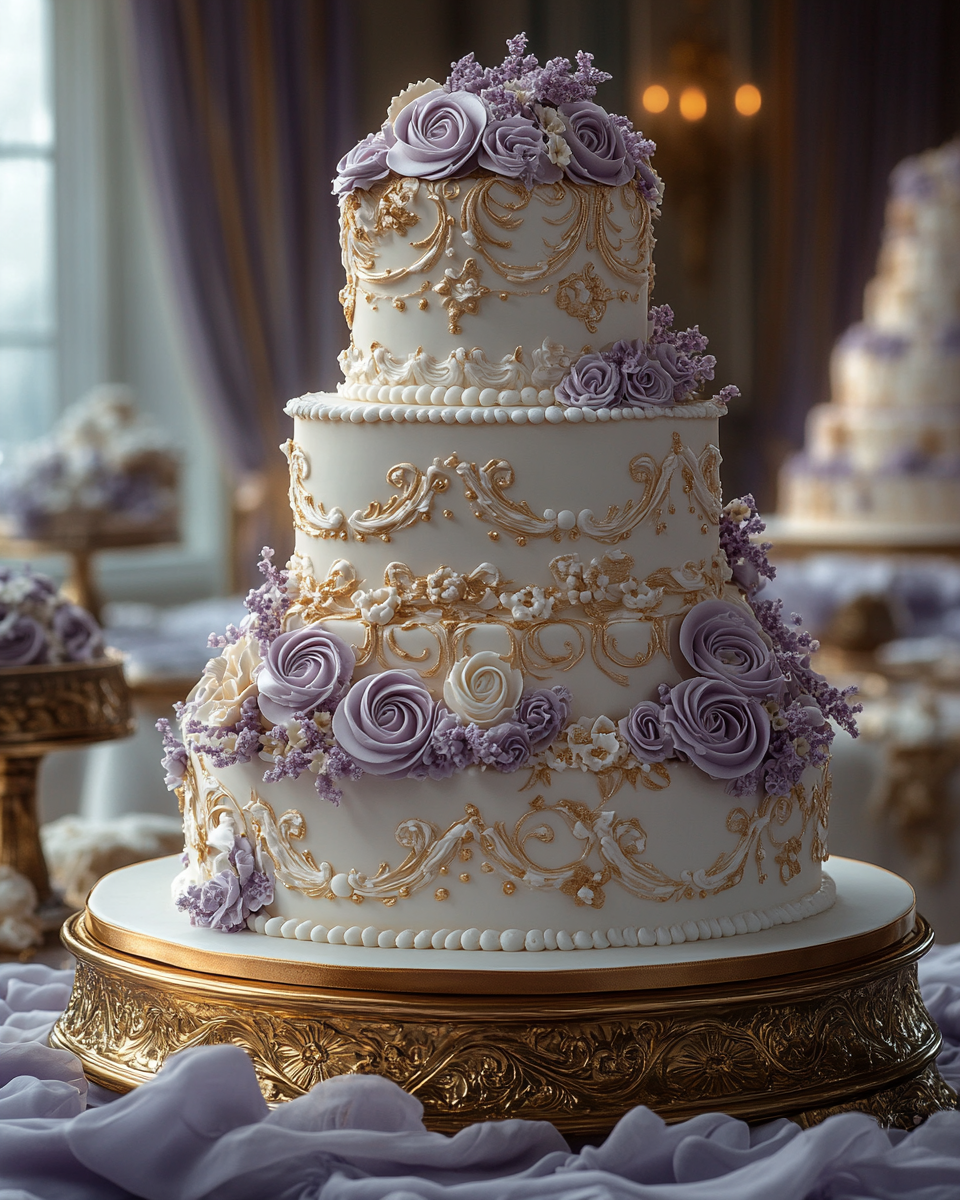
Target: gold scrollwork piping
{"x": 416, "y": 492}
{"x": 485, "y": 486}
{"x": 611, "y": 848}
{"x": 492, "y": 210}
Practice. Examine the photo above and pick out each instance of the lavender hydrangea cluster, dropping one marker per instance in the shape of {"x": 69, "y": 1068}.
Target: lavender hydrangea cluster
{"x": 38, "y": 625}
{"x": 754, "y": 712}
{"x": 666, "y": 369}
{"x": 520, "y": 120}
{"x": 225, "y": 901}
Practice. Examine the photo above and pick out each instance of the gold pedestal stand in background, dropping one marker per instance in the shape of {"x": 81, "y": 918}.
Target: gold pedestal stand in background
{"x": 81, "y": 547}
{"x": 43, "y": 708}
{"x": 802, "y": 1032}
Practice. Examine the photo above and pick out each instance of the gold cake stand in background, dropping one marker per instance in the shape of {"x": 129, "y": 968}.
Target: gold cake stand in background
{"x": 43, "y": 708}
{"x": 803, "y": 1032}
{"x": 81, "y": 548}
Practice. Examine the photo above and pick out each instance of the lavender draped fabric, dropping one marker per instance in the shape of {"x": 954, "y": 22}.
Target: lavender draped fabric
{"x": 247, "y": 110}
{"x": 247, "y": 106}
{"x": 201, "y": 1131}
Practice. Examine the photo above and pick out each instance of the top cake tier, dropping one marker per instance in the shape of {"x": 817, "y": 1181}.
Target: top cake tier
{"x": 482, "y": 283}
{"x": 497, "y": 239}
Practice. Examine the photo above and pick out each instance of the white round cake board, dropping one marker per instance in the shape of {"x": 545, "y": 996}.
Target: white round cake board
{"x": 132, "y": 910}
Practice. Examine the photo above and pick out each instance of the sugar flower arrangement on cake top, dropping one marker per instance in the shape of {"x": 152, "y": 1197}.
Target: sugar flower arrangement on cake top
{"x": 749, "y": 708}
{"x": 519, "y": 119}
{"x": 39, "y": 626}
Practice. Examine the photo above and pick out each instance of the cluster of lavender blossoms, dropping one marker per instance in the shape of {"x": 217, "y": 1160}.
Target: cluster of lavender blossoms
{"x": 666, "y": 369}
{"x": 518, "y": 119}
{"x": 235, "y": 891}
{"x": 38, "y": 625}
{"x": 755, "y": 713}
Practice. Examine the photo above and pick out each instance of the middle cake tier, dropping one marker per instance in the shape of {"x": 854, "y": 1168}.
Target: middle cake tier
{"x": 566, "y": 548}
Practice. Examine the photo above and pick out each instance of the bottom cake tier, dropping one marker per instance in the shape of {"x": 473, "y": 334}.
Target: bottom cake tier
{"x": 531, "y": 862}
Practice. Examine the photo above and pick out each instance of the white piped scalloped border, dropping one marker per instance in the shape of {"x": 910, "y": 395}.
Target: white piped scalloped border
{"x": 513, "y": 940}
{"x": 322, "y": 406}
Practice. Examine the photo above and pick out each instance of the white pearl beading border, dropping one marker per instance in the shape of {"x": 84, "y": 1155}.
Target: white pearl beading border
{"x": 324, "y": 407}
{"x": 533, "y": 940}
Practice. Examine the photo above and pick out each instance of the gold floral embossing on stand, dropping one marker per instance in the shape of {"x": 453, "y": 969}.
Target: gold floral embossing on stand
{"x": 417, "y": 490}
{"x": 851, "y": 1038}
{"x": 485, "y": 488}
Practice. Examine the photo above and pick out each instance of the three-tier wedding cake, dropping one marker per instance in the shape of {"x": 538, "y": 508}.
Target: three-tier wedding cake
{"x": 516, "y": 689}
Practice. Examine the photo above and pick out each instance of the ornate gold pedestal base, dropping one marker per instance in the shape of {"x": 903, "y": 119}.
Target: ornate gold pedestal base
{"x": 848, "y": 1036}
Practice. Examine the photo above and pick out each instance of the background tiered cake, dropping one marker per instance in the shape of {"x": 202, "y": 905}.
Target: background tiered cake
{"x": 515, "y": 691}
{"x": 882, "y": 460}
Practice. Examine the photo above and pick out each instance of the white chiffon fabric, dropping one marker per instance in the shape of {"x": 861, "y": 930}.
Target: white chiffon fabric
{"x": 201, "y": 1131}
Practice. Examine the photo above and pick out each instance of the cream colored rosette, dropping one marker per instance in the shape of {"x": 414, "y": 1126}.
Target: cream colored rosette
{"x": 226, "y": 683}
{"x": 483, "y": 689}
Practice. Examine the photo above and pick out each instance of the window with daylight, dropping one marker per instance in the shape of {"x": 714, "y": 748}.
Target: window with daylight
{"x": 28, "y": 330}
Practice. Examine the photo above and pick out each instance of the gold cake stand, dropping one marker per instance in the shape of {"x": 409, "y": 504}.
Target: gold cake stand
{"x": 801, "y": 1033}
{"x": 60, "y": 706}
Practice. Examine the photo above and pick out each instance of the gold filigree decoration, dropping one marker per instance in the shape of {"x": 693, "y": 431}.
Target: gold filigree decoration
{"x": 605, "y": 847}
{"x": 485, "y": 488}
{"x": 613, "y": 223}
{"x": 584, "y": 296}
{"x": 449, "y": 607}
{"x": 855, "y": 1038}
{"x": 383, "y": 210}
{"x": 392, "y": 214}
{"x": 462, "y": 292}
{"x": 414, "y": 502}
{"x": 493, "y": 209}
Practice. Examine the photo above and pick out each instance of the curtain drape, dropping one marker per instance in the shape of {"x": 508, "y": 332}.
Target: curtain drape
{"x": 247, "y": 105}
{"x": 861, "y": 84}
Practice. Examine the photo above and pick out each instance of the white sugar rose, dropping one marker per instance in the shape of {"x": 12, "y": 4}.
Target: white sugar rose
{"x": 379, "y": 606}
{"x": 226, "y": 683}
{"x": 483, "y": 688}
{"x": 410, "y": 93}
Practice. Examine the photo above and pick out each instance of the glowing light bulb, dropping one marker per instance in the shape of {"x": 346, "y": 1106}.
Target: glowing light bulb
{"x": 655, "y": 98}
{"x": 747, "y": 100}
{"x": 693, "y": 104}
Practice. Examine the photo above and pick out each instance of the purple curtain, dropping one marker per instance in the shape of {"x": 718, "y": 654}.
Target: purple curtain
{"x": 247, "y": 106}
{"x": 863, "y": 83}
